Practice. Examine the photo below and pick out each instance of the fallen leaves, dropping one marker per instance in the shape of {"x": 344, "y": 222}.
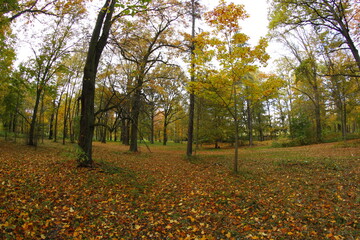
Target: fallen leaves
{"x": 161, "y": 195}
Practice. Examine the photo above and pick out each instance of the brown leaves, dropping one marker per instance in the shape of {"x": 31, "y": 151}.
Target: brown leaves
{"x": 161, "y": 195}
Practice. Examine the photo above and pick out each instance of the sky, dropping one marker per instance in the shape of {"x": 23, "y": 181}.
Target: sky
{"x": 255, "y": 26}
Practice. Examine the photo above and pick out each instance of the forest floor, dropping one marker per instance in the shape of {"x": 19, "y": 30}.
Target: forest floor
{"x": 309, "y": 192}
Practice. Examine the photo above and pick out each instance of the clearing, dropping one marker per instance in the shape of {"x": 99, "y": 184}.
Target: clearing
{"x": 310, "y": 192}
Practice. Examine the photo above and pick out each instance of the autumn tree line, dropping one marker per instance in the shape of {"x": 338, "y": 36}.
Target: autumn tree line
{"x": 150, "y": 71}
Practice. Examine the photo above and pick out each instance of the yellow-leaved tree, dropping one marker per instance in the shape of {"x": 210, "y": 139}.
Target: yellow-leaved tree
{"x": 231, "y": 57}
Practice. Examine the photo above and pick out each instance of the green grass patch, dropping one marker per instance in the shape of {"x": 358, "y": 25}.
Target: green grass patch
{"x": 348, "y": 144}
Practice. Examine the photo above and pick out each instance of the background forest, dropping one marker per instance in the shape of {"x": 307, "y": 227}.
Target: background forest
{"x": 169, "y": 70}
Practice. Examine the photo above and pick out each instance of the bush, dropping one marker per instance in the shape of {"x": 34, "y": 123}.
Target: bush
{"x": 286, "y": 142}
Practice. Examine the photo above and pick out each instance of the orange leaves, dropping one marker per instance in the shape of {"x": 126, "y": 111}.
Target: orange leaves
{"x": 159, "y": 195}
{"x": 226, "y": 17}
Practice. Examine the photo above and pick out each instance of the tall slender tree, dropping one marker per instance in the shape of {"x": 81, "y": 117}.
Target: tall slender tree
{"x": 46, "y": 63}
{"x": 190, "y": 137}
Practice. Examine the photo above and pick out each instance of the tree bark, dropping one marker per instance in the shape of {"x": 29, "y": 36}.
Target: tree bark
{"x": 32, "y": 134}
{"x": 135, "y": 112}
{"x": 165, "y": 137}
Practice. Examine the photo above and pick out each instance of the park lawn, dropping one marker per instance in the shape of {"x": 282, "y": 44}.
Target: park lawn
{"x": 309, "y": 192}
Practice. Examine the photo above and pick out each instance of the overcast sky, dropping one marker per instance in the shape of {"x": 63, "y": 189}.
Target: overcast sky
{"x": 256, "y": 25}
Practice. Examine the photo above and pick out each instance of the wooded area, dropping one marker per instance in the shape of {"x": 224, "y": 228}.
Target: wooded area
{"x": 130, "y": 76}
{"x": 143, "y": 76}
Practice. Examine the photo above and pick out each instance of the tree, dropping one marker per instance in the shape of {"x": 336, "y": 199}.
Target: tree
{"x": 337, "y": 16}
{"x": 140, "y": 43}
{"x": 98, "y": 41}
{"x": 96, "y": 46}
{"x": 258, "y": 90}
{"x": 169, "y": 83}
{"x": 11, "y": 10}
{"x": 342, "y": 88}
{"x": 7, "y": 57}
{"x": 303, "y": 46}
{"x": 190, "y": 137}
{"x": 46, "y": 63}
{"x": 151, "y": 106}
{"x": 235, "y": 57}
{"x": 213, "y": 123}
{"x": 11, "y": 103}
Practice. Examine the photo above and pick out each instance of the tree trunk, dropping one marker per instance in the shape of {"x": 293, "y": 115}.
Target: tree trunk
{"x": 115, "y": 134}
{"x": 51, "y": 123}
{"x": 269, "y": 114}
{"x": 343, "y": 121}
{"x": 42, "y": 119}
{"x": 32, "y": 134}
{"x": 198, "y": 113}
{"x": 165, "y": 137}
{"x": 189, "y": 149}
{"x": 123, "y": 130}
{"x": 135, "y": 112}
{"x": 261, "y": 131}
{"x": 317, "y": 114}
{"x": 350, "y": 43}
{"x": 152, "y": 126}
{"x": 71, "y": 122}
{"x": 96, "y": 47}
{"x": 249, "y": 121}
{"x": 103, "y": 134}
{"x": 65, "y": 118}
{"x": 56, "y": 118}
{"x": 236, "y": 155}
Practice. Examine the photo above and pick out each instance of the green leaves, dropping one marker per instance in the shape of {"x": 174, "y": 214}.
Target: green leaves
{"x": 132, "y": 9}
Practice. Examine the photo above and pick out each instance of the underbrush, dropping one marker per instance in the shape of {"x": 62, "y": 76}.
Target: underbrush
{"x": 288, "y": 142}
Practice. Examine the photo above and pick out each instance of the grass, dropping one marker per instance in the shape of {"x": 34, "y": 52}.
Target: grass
{"x": 309, "y": 192}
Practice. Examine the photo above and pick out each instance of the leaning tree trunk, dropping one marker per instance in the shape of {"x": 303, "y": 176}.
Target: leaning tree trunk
{"x": 96, "y": 47}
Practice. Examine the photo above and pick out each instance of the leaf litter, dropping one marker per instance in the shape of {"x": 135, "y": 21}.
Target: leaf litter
{"x": 307, "y": 192}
